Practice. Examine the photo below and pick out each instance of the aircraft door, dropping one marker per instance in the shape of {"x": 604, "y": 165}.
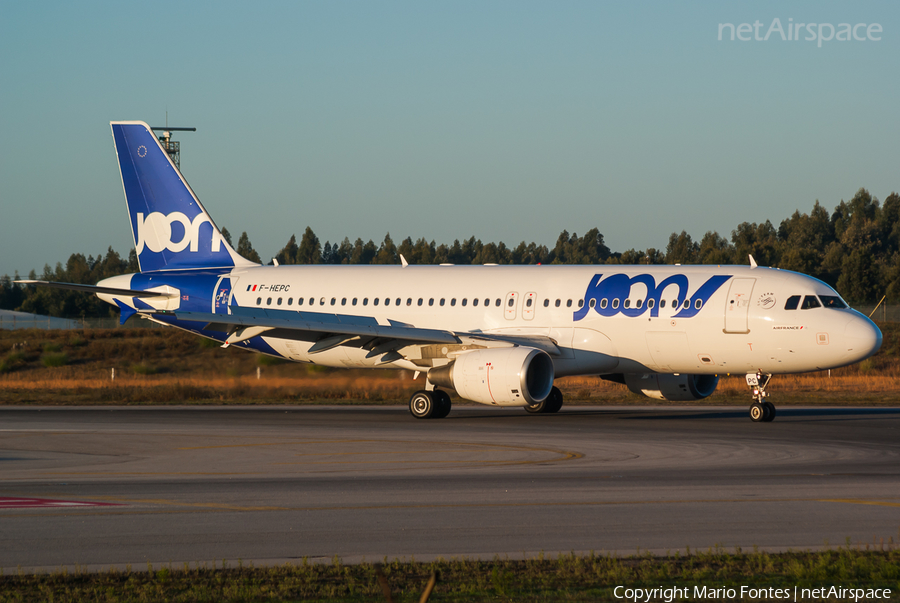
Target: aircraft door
{"x": 509, "y": 306}
{"x": 528, "y": 307}
{"x": 737, "y": 307}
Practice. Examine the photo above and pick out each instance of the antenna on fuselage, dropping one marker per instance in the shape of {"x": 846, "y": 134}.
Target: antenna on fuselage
{"x": 753, "y": 263}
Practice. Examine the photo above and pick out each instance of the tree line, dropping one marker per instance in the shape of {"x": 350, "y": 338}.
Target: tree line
{"x": 855, "y": 248}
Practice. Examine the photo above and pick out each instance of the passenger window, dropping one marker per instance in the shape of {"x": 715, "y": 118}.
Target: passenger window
{"x": 593, "y": 303}
{"x": 397, "y": 302}
{"x": 687, "y": 303}
{"x": 615, "y": 303}
{"x": 639, "y": 303}
{"x": 528, "y": 303}
{"x": 279, "y": 301}
{"x": 442, "y": 301}
{"x": 258, "y": 301}
{"x": 453, "y": 302}
{"x": 650, "y": 303}
{"x": 559, "y": 301}
{"x": 568, "y": 303}
{"x": 546, "y": 303}
{"x": 375, "y": 301}
{"x": 408, "y": 301}
{"x": 603, "y": 303}
{"x": 290, "y": 301}
{"x": 354, "y": 301}
{"x": 674, "y": 304}
{"x": 627, "y": 303}
{"x": 580, "y": 303}
{"x": 792, "y": 302}
{"x": 662, "y": 303}
{"x": 343, "y": 301}
{"x": 365, "y": 301}
{"x": 810, "y": 301}
{"x": 299, "y": 301}
{"x": 464, "y": 301}
{"x": 387, "y": 301}
{"x": 312, "y": 301}
{"x": 487, "y": 302}
{"x": 475, "y": 302}
{"x": 511, "y": 302}
{"x": 419, "y": 303}
{"x": 497, "y": 303}
{"x": 431, "y": 301}
{"x": 698, "y": 304}
{"x": 269, "y": 301}
{"x": 832, "y": 301}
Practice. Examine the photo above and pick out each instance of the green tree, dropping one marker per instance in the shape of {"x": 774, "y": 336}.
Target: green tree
{"x": 245, "y": 249}
{"x": 681, "y": 249}
{"x": 387, "y": 253}
{"x": 310, "y": 250}
{"x": 714, "y": 249}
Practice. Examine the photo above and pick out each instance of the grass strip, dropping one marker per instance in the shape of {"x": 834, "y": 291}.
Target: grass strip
{"x": 566, "y": 578}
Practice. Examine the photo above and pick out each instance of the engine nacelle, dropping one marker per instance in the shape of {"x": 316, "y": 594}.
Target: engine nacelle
{"x": 677, "y": 388}
{"x": 516, "y": 376}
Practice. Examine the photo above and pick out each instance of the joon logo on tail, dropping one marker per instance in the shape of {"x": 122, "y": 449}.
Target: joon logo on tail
{"x": 156, "y": 232}
{"x": 608, "y": 296}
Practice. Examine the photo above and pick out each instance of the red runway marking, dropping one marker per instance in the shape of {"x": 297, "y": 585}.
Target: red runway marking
{"x": 7, "y": 502}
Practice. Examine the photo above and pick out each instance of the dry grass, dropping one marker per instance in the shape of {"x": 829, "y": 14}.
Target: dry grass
{"x": 170, "y": 367}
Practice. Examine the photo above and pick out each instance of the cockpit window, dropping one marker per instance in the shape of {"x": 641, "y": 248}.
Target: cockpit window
{"x": 832, "y": 301}
{"x": 792, "y": 302}
{"x": 810, "y": 301}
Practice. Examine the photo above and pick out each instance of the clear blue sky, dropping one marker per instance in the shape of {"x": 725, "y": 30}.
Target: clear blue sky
{"x": 508, "y": 121}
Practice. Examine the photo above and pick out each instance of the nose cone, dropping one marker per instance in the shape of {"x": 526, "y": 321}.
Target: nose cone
{"x": 862, "y": 338}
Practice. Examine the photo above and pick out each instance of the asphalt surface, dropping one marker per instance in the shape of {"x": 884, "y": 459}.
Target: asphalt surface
{"x": 113, "y": 486}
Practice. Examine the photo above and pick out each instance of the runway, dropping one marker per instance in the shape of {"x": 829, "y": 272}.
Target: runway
{"x": 108, "y": 486}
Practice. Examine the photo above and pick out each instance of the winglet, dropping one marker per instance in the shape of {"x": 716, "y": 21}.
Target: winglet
{"x": 753, "y": 263}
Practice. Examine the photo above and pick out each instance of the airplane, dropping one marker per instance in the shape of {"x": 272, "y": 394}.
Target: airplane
{"x": 496, "y": 335}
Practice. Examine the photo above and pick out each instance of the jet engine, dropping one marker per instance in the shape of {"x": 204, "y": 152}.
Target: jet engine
{"x": 677, "y": 388}
{"x": 515, "y": 376}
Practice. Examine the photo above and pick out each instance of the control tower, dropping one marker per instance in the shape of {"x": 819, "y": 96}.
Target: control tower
{"x": 172, "y": 147}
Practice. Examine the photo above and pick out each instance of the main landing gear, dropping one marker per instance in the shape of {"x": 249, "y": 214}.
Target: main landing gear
{"x": 550, "y": 404}
{"x": 430, "y": 405}
{"x": 761, "y": 409}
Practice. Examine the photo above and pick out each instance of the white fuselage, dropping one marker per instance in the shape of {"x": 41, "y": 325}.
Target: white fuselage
{"x": 742, "y": 326}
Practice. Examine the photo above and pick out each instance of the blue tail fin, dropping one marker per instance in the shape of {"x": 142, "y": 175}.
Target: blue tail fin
{"x": 171, "y": 229}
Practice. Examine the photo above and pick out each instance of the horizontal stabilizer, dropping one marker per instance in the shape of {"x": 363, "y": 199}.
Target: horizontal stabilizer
{"x": 96, "y": 289}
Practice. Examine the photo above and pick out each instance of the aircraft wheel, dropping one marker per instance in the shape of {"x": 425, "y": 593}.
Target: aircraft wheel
{"x": 442, "y": 400}
{"x": 538, "y": 408}
{"x": 757, "y": 412}
{"x": 552, "y": 403}
{"x": 422, "y": 405}
{"x": 555, "y": 399}
{"x": 770, "y": 412}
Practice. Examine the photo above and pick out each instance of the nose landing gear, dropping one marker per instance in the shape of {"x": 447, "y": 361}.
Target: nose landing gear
{"x": 761, "y": 409}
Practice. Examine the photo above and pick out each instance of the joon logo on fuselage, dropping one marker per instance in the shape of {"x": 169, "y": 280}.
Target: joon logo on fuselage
{"x": 608, "y": 296}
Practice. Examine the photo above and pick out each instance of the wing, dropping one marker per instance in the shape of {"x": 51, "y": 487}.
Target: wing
{"x": 327, "y": 331}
